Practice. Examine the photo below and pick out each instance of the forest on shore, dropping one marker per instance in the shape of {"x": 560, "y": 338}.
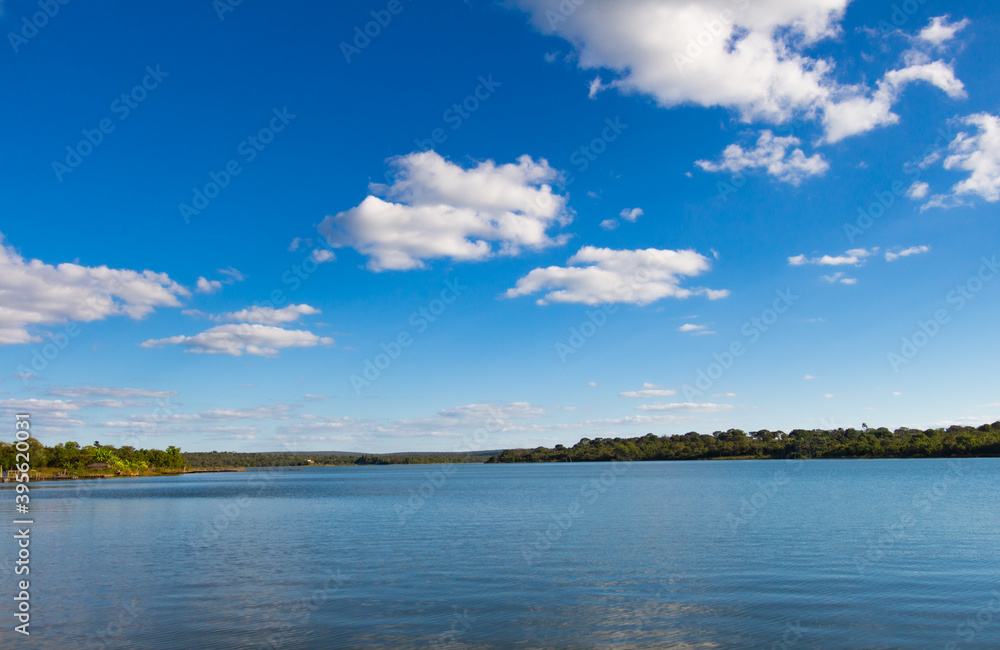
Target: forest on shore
{"x": 95, "y": 459}
{"x": 223, "y": 459}
{"x": 955, "y": 441}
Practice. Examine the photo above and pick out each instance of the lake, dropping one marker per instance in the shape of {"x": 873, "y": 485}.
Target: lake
{"x": 714, "y": 554}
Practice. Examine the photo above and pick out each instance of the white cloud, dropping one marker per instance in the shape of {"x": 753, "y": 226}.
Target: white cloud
{"x": 840, "y": 277}
{"x": 828, "y": 395}
{"x": 239, "y": 338}
{"x": 860, "y": 113}
{"x": 33, "y": 405}
{"x": 437, "y": 209}
{"x": 648, "y": 390}
{"x": 753, "y": 57}
{"x": 854, "y": 256}
{"x": 912, "y": 250}
{"x": 918, "y": 190}
{"x": 294, "y": 246}
{"x": 687, "y": 407}
{"x": 940, "y": 30}
{"x": 276, "y": 412}
{"x": 104, "y": 391}
{"x": 979, "y": 154}
{"x": 808, "y": 377}
{"x": 269, "y": 315}
{"x": 943, "y": 201}
{"x": 33, "y": 294}
{"x": 772, "y": 154}
{"x": 611, "y": 276}
{"x": 321, "y": 255}
{"x": 487, "y": 412}
{"x": 690, "y": 327}
{"x": 609, "y": 224}
{"x": 232, "y": 275}
{"x": 631, "y": 214}
{"x": 207, "y": 286}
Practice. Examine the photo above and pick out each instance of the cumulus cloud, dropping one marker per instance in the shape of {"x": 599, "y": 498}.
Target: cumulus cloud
{"x": 603, "y": 275}
{"x": 861, "y": 113}
{"x": 854, "y": 256}
{"x": 631, "y": 214}
{"x": 940, "y": 30}
{"x": 207, "y": 286}
{"x": 772, "y": 154}
{"x": 918, "y": 190}
{"x": 690, "y": 327}
{"x": 906, "y": 252}
{"x": 204, "y": 285}
{"x": 648, "y": 390}
{"x": 33, "y": 294}
{"x": 979, "y": 154}
{"x": 321, "y": 255}
{"x": 269, "y": 315}
{"x": 752, "y": 57}
{"x": 238, "y": 338}
{"x": 438, "y": 209}
{"x": 628, "y": 214}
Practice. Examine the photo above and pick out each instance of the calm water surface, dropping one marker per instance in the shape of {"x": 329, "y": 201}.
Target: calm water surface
{"x": 758, "y": 554}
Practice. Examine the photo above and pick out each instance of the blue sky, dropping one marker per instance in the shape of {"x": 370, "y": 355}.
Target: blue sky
{"x": 487, "y": 225}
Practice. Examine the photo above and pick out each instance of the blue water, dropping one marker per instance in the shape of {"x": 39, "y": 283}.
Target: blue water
{"x": 737, "y": 554}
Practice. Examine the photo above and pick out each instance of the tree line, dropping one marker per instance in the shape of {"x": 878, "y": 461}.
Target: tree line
{"x": 74, "y": 458}
{"x": 225, "y": 459}
{"x": 866, "y": 442}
